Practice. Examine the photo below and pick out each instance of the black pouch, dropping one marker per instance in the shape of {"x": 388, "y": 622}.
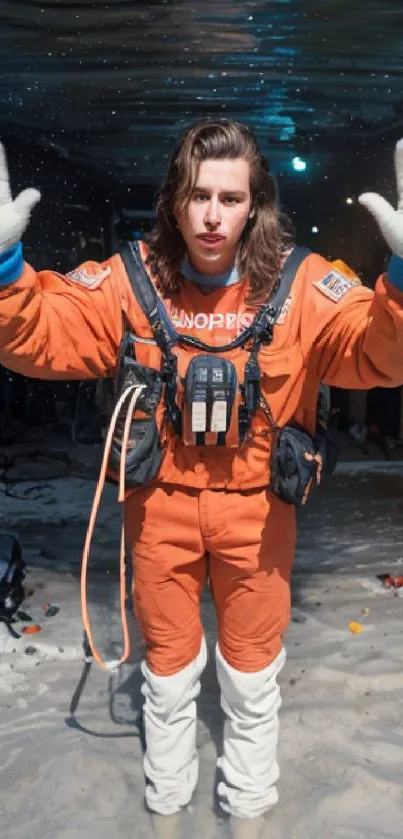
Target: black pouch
{"x": 144, "y": 449}
{"x": 298, "y": 462}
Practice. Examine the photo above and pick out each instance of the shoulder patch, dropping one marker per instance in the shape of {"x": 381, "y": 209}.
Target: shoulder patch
{"x": 84, "y": 277}
{"x": 335, "y": 285}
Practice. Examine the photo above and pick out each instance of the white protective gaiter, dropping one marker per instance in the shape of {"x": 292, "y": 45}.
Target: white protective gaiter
{"x": 250, "y": 702}
{"x": 170, "y": 718}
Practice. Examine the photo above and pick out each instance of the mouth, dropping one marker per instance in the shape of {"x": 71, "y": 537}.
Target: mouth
{"x": 211, "y": 238}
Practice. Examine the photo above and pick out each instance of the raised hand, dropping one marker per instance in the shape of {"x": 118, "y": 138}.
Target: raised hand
{"x": 14, "y": 215}
{"x": 390, "y": 221}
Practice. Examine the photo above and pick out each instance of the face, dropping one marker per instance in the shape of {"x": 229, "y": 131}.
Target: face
{"x": 213, "y": 221}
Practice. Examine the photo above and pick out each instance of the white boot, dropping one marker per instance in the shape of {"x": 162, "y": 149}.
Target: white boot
{"x": 250, "y": 702}
{"x": 171, "y": 762}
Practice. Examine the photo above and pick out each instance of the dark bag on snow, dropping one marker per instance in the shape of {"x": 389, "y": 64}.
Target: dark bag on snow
{"x": 12, "y": 573}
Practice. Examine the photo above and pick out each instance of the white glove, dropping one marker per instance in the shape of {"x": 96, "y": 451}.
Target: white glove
{"x": 14, "y": 215}
{"x": 389, "y": 220}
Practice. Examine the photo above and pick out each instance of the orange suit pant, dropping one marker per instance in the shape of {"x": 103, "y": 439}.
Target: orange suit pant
{"x": 243, "y": 543}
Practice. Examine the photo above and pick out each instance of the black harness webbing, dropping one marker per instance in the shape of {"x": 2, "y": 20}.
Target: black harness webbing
{"x": 166, "y": 336}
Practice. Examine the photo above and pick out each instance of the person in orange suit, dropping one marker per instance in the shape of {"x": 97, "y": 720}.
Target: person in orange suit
{"x": 214, "y": 256}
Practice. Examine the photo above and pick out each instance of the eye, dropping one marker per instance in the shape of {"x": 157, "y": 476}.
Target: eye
{"x": 231, "y": 200}
{"x": 200, "y": 196}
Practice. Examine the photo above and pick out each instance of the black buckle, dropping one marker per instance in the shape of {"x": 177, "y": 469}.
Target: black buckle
{"x": 264, "y": 324}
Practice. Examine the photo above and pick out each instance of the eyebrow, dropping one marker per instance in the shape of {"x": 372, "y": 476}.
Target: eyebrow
{"x": 238, "y": 192}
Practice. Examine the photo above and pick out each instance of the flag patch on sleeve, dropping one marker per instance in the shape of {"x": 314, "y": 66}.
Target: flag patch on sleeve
{"x": 335, "y": 285}
{"x": 84, "y": 277}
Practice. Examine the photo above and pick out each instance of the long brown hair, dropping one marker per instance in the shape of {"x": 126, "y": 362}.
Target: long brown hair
{"x": 267, "y": 233}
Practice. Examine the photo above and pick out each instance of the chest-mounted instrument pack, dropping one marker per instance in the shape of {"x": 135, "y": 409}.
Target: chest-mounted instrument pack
{"x": 209, "y": 405}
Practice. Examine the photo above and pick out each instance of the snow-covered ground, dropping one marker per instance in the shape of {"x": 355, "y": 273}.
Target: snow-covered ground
{"x": 341, "y": 742}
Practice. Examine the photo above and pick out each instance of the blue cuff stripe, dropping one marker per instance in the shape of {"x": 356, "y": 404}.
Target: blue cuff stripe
{"x": 395, "y": 272}
{"x": 11, "y": 265}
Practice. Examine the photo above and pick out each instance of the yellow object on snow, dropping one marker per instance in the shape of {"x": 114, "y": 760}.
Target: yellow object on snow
{"x": 355, "y": 627}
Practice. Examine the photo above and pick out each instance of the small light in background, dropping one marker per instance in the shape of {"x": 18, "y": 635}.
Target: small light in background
{"x": 349, "y": 200}
{"x": 298, "y": 164}
{"x": 315, "y": 229}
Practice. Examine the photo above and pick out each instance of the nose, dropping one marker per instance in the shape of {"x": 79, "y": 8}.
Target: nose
{"x": 212, "y": 216}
